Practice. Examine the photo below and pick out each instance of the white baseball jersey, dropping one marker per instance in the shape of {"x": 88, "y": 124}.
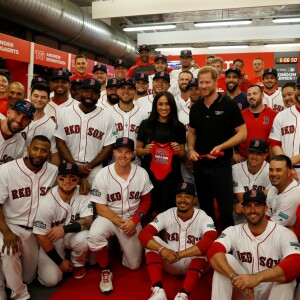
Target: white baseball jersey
{"x": 182, "y": 102}
{"x": 274, "y": 101}
{"x": 127, "y": 123}
{"x": 122, "y": 196}
{"x": 52, "y": 108}
{"x": 175, "y": 73}
{"x": 283, "y": 207}
{"x": 12, "y": 148}
{"x": 182, "y": 235}
{"x": 44, "y": 126}
{"x": 286, "y": 128}
{"x": 85, "y": 134}
{"x": 244, "y": 181}
{"x": 53, "y": 211}
{"x": 262, "y": 252}
{"x": 184, "y": 117}
{"x": 21, "y": 190}
{"x": 145, "y": 103}
{"x": 2, "y": 117}
{"x": 103, "y": 97}
{"x": 105, "y": 104}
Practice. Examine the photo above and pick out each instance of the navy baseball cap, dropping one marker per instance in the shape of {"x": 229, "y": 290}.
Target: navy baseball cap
{"x": 124, "y": 142}
{"x": 270, "y": 71}
{"x": 141, "y": 76}
{"x": 26, "y": 107}
{"x": 128, "y": 81}
{"x": 120, "y": 62}
{"x": 37, "y": 80}
{"x": 111, "y": 82}
{"x": 185, "y": 53}
{"x": 100, "y": 67}
{"x": 164, "y": 75}
{"x": 185, "y": 187}
{"x": 298, "y": 81}
{"x": 192, "y": 82}
{"x": 233, "y": 70}
{"x": 258, "y": 146}
{"x": 254, "y": 195}
{"x": 161, "y": 56}
{"x": 144, "y": 47}
{"x": 76, "y": 81}
{"x": 68, "y": 168}
{"x": 91, "y": 83}
{"x": 61, "y": 74}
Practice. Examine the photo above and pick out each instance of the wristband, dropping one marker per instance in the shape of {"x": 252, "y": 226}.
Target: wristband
{"x": 161, "y": 249}
{"x": 233, "y": 276}
{"x": 55, "y": 256}
{"x": 75, "y": 227}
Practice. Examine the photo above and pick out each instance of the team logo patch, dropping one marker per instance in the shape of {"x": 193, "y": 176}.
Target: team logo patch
{"x": 296, "y": 245}
{"x": 284, "y": 216}
{"x": 219, "y": 112}
{"x": 235, "y": 184}
{"x": 210, "y": 226}
{"x": 39, "y": 224}
{"x": 222, "y": 235}
{"x": 253, "y": 193}
{"x": 95, "y": 192}
{"x": 266, "y": 120}
{"x": 69, "y": 166}
{"x": 92, "y": 81}
{"x": 155, "y": 220}
{"x": 125, "y": 140}
{"x": 183, "y": 186}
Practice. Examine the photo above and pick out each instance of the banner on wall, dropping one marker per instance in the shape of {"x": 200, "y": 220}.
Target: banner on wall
{"x": 49, "y": 57}
{"x": 14, "y": 48}
{"x": 286, "y": 64}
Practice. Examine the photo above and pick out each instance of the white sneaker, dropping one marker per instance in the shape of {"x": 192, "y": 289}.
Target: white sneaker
{"x": 106, "y": 285}
{"x": 158, "y": 294}
{"x": 181, "y": 296}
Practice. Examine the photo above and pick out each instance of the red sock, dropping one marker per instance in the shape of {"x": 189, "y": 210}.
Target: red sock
{"x": 101, "y": 257}
{"x": 193, "y": 274}
{"x": 154, "y": 267}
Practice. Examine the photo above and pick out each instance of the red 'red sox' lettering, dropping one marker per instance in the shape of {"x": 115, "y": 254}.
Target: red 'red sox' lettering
{"x": 263, "y": 261}
{"x": 288, "y": 130}
{"x": 97, "y": 134}
{"x": 26, "y": 192}
{"x": 134, "y": 195}
{"x": 72, "y": 129}
{"x": 114, "y": 197}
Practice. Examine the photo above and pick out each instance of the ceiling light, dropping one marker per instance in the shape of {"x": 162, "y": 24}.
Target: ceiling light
{"x": 149, "y": 27}
{"x": 286, "y": 20}
{"x": 229, "y": 47}
{"x": 173, "y": 49}
{"x": 283, "y": 45}
{"x": 223, "y": 23}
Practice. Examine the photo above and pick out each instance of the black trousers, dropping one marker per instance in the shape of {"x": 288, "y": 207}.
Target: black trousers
{"x": 213, "y": 179}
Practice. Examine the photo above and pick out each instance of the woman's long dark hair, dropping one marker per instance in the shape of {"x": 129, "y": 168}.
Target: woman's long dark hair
{"x": 173, "y": 116}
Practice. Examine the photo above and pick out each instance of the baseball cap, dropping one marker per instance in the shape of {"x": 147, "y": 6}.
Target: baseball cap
{"x": 192, "y": 82}
{"x": 68, "y": 168}
{"x": 185, "y": 53}
{"x": 100, "y": 67}
{"x": 91, "y": 83}
{"x": 141, "y": 76}
{"x": 76, "y": 81}
{"x": 120, "y": 62}
{"x": 128, "y": 81}
{"x": 164, "y": 75}
{"x": 111, "y": 82}
{"x": 258, "y": 146}
{"x": 185, "y": 187}
{"x": 298, "y": 80}
{"x": 26, "y": 107}
{"x": 161, "y": 56}
{"x": 124, "y": 142}
{"x": 144, "y": 47}
{"x": 37, "y": 80}
{"x": 234, "y": 70}
{"x": 61, "y": 74}
{"x": 270, "y": 71}
{"x": 254, "y": 195}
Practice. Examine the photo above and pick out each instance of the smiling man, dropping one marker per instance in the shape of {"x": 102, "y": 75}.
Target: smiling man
{"x": 81, "y": 65}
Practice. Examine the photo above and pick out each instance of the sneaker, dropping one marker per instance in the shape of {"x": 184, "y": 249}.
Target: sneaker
{"x": 158, "y": 294}
{"x": 181, "y": 296}
{"x": 79, "y": 272}
{"x": 106, "y": 285}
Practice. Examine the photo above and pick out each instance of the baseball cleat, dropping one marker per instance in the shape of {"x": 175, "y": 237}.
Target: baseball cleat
{"x": 158, "y": 294}
{"x": 79, "y": 272}
{"x": 106, "y": 285}
{"x": 181, "y": 296}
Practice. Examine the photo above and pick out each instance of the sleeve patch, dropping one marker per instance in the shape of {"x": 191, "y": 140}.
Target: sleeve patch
{"x": 95, "y": 192}
{"x": 222, "y": 235}
{"x": 284, "y": 216}
{"x": 296, "y": 245}
{"x": 235, "y": 184}
{"x": 211, "y": 226}
{"x": 39, "y": 224}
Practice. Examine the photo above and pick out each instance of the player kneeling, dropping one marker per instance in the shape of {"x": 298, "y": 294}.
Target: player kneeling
{"x": 265, "y": 257}
{"x": 62, "y": 222}
{"x": 121, "y": 192}
{"x": 189, "y": 233}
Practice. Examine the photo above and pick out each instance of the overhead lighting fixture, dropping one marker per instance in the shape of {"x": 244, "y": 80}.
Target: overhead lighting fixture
{"x": 283, "y": 45}
{"x": 223, "y": 23}
{"x": 173, "y": 49}
{"x": 228, "y": 47}
{"x": 148, "y": 27}
{"x": 286, "y": 20}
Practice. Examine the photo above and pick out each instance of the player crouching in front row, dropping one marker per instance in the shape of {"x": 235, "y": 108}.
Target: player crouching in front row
{"x": 189, "y": 232}
{"x": 265, "y": 257}
{"x": 62, "y": 222}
